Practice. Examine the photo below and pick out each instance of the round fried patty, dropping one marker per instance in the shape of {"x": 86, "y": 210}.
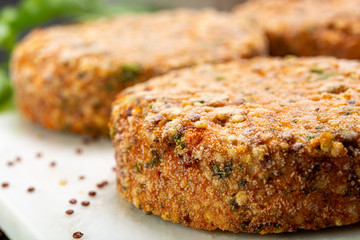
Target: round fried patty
{"x": 67, "y": 76}
{"x": 308, "y": 27}
{"x": 262, "y": 145}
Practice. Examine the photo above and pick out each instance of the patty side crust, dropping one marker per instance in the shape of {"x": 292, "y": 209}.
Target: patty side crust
{"x": 262, "y": 145}
{"x": 307, "y": 27}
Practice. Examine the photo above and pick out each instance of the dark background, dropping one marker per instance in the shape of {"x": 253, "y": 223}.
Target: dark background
{"x": 8, "y": 2}
{"x": 2, "y": 236}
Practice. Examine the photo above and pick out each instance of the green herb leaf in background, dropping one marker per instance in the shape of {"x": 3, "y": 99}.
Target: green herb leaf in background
{"x": 30, "y": 13}
{"x": 5, "y": 91}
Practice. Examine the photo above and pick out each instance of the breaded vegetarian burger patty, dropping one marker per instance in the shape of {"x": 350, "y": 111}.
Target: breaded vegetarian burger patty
{"x": 308, "y": 27}
{"x": 66, "y": 77}
{"x": 262, "y": 145}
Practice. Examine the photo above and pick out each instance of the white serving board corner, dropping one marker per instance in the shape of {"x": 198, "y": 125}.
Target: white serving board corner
{"x": 41, "y": 215}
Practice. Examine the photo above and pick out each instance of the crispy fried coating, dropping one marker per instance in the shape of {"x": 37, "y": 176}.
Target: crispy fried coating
{"x": 66, "y": 77}
{"x": 261, "y": 145}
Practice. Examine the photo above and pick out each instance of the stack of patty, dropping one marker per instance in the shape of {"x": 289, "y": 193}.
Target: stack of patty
{"x": 214, "y": 141}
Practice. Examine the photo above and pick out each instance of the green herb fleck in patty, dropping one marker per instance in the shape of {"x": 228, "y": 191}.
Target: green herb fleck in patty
{"x": 222, "y": 172}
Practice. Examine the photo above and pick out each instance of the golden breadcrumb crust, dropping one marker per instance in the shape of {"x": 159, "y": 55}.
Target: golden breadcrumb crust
{"x": 66, "y": 77}
{"x": 308, "y": 27}
{"x": 262, "y": 145}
